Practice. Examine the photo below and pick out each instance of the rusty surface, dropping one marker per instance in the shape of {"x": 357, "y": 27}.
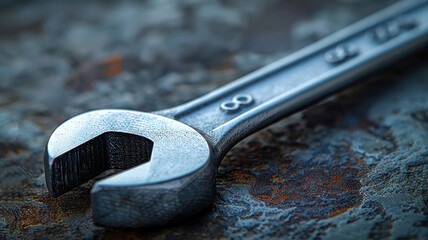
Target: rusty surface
{"x": 355, "y": 165}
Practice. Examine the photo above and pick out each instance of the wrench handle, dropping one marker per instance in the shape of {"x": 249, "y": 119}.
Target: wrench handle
{"x": 258, "y": 99}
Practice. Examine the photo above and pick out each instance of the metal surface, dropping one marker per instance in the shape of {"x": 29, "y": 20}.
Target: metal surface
{"x": 179, "y": 180}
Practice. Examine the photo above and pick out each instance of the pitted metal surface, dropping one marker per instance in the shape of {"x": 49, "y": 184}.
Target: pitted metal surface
{"x": 277, "y": 184}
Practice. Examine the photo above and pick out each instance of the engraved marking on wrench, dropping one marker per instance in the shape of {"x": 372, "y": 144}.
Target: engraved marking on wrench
{"x": 236, "y": 103}
{"x": 341, "y": 53}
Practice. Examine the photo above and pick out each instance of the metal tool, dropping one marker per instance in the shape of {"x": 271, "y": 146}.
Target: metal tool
{"x": 172, "y": 155}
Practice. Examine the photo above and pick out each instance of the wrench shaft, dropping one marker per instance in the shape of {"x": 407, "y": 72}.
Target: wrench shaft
{"x": 258, "y": 99}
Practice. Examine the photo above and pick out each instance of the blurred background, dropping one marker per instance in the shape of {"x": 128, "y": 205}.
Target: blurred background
{"x": 62, "y": 58}
{"x": 69, "y": 56}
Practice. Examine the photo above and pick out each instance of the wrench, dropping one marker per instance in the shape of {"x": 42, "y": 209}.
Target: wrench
{"x": 171, "y": 156}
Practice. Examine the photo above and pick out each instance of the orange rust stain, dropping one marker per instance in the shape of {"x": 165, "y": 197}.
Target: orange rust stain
{"x": 275, "y": 178}
{"x": 21, "y": 217}
{"x": 242, "y": 177}
{"x": 254, "y": 216}
{"x": 89, "y": 73}
{"x": 112, "y": 66}
{"x": 315, "y": 188}
{"x": 337, "y": 211}
{"x": 40, "y": 208}
{"x": 319, "y": 189}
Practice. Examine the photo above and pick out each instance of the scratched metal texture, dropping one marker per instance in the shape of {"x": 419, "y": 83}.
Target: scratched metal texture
{"x": 354, "y": 166}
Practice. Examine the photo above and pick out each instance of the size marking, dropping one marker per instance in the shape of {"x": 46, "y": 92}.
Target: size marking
{"x": 237, "y": 102}
{"x": 341, "y": 53}
{"x": 383, "y": 33}
{"x": 389, "y": 30}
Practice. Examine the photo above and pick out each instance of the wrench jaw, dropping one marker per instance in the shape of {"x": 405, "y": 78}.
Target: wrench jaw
{"x": 74, "y": 167}
{"x": 111, "y": 150}
{"x": 171, "y": 168}
{"x": 154, "y": 204}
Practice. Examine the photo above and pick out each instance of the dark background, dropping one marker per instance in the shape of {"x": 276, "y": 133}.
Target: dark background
{"x": 353, "y": 166}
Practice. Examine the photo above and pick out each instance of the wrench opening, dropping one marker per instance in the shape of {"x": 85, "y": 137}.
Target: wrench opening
{"x": 110, "y": 150}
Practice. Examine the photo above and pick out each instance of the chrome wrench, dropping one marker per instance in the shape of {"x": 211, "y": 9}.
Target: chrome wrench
{"x": 171, "y": 156}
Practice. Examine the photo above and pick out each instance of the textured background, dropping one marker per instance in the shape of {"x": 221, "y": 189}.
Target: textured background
{"x": 353, "y": 166}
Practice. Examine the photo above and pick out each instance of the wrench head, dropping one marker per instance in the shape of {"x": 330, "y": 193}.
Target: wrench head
{"x": 170, "y": 173}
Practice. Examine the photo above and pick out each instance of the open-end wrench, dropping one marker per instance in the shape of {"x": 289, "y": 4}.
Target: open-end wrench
{"x": 172, "y": 155}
